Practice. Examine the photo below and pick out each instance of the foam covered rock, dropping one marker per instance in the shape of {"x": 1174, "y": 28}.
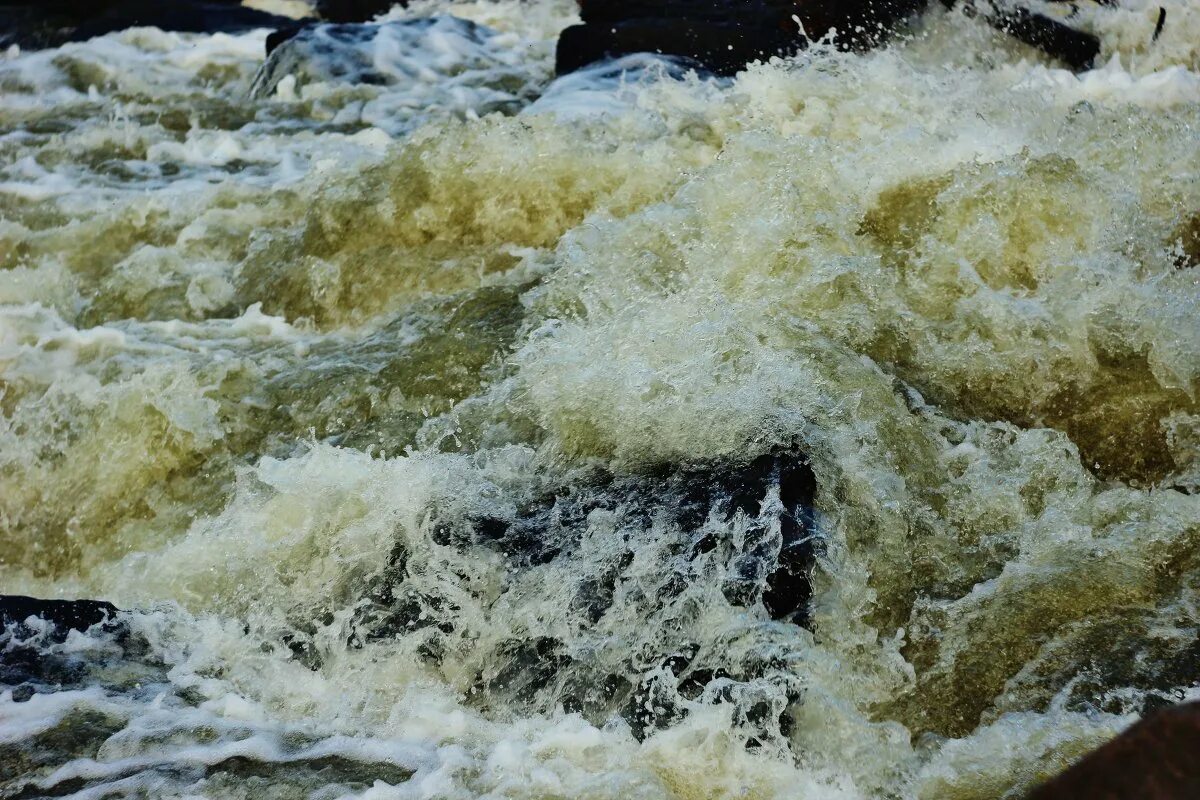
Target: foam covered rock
{"x": 55, "y": 22}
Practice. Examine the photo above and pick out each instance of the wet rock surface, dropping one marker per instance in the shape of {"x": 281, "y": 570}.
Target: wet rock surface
{"x": 33, "y": 635}
{"x": 1153, "y": 760}
{"x": 721, "y": 36}
{"x": 409, "y": 502}
{"x": 1075, "y": 49}
{"x": 472, "y": 59}
{"x": 67, "y": 614}
{"x": 36, "y": 25}
{"x": 80, "y": 683}
{"x": 355, "y": 10}
{"x": 766, "y": 575}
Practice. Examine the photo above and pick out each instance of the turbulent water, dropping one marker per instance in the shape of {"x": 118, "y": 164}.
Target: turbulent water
{"x": 378, "y": 385}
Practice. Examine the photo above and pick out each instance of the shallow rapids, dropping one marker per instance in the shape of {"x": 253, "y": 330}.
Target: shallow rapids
{"x": 405, "y": 398}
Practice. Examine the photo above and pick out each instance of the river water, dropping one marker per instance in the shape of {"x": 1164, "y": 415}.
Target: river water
{"x": 378, "y": 399}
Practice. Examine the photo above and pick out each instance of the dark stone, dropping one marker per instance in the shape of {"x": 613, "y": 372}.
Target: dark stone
{"x": 29, "y": 667}
{"x": 687, "y": 495}
{"x": 609, "y": 11}
{"x": 1159, "y": 24}
{"x": 721, "y": 47}
{"x": 1156, "y": 759}
{"x": 527, "y": 667}
{"x": 662, "y": 696}
{"x": 33, "y": 659}
{"x": 281, "y": 35}
{"x": 1076, "y": 49}
{"x": 49, "y": 23}
{"x": 768, "y": 566}
{"x": 1188, "y": 243}
{"x": 723, "y": 36}
{"x": 354, "y": 10}
{"x": 76, "y": 615}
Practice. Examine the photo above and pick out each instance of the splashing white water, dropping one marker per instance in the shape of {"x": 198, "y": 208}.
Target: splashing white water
{"x": 274, "y": 369}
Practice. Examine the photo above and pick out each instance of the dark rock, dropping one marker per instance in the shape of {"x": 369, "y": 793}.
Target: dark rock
{"x": 35, "y": 660}
{"x": 1188, "y": 243}
{"x": 723, "y": 36}
{"x": 76, "y": 615}
{"x": 50, "y": 23}
{"x": 721, "y": 47}
{"x": 336, "y": 11}
{"x": 527, "y": 667}
{"x": 788, "y": 588}
{"x": 282, "y": 34}
{"x": 662, "y": 697}
{"x": 1156, "y": 759}
{"x": 766, "y": 566}
{"x": 355, "y": 10}
{"x": 382, "y": 53}
{"x": 777, "y": 573}
{"x": 609, "y": 11}
{"x": 1076, "y": 49}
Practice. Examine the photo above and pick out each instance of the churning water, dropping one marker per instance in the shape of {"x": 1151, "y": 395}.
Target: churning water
{"x": 441, "y": 425}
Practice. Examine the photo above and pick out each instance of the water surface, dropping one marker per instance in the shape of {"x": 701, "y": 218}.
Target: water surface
{"x": 281, "y": 353}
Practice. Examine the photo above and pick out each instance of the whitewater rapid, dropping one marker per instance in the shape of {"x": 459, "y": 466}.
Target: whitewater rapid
{"x": 280, "y": 351}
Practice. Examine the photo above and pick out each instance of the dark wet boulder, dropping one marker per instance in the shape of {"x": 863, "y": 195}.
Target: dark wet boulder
{"x": 766, "y": 569}
{"x": 33, "y": 657}
{"x": 65, "y": 615}
{"x": 284, "y": 33}
{"x": 355, "y": 10}
{"x": 742, "y": 528}
{"x": 482, "y": 73}
{"x": 49, "y": 23}
{"x": 720, "y": 47}
{"x": 723, "y": 36}
{"x": 1156, "y": 759}
{"x": 1074, "y": 48}
{"x": 1187, "y": 245}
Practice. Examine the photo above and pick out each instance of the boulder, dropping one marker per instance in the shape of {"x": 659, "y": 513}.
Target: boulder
{"x": 1076, "y": 49}
{"x": 689, "y": 510}
{"x": 355, "y": 10}
{"x": 720, "y": 35}
{"x": 720, "y": 47}
{"x": 30, "y": 629}
{"x": 443, "y": 65}
{"x": 1188, "y": 243}
{"x": 64, "y": 615}
{"x": 1156, "y": 759}
{"x": 723, "y": 36}
{"x": 37, "y": 24}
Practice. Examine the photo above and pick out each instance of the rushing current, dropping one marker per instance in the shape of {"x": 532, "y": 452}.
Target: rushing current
{"x": 396, "y": 390}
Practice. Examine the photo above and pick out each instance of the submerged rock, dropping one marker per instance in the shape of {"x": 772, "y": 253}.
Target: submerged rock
{"x": 719, "y": 35}
{"x": 1188, "y": 243}
{"x": 653, "y": 542}
{"x": 1076, "y": 49}
{"x": 33, "y": 658}
{"x": 355, "y": 10}
{"x": 723, "y": 36}
{"x": 36, "y": 25}
{"x": 83, "y": 688}
{"x": 1156, "y": 759}
{"x": 444, "y": 61}
{"x": 64, "y": 615}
